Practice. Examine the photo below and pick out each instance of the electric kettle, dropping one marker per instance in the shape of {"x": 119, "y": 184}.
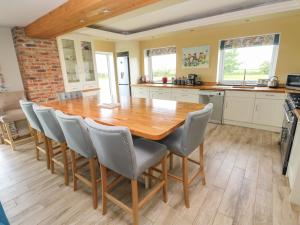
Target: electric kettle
{"x": 273, "y": 82}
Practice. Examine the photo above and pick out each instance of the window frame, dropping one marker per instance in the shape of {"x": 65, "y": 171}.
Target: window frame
{"x": 220, "y": 68}
{"x": 148, "y": 69}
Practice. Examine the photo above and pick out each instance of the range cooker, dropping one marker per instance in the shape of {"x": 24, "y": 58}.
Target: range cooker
{"x": 288, "y": 128}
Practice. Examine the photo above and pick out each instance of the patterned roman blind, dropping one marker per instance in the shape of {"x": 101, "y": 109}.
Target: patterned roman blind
{"x": 252, "y": 41}
{"x": 161, "y": 51}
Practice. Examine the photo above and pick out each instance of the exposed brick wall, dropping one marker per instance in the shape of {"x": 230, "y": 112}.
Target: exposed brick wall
{"x": 39, "y": 66}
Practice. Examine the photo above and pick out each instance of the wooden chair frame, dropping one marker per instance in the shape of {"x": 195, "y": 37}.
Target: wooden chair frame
{"x": 7, "y": 136}
{"x": 185, "y": 176}
{"x": 40, "y": 140}
{"x": 136, "y": 204}
{"x": 62, "y": 149}
{"x": 93, "y": 182}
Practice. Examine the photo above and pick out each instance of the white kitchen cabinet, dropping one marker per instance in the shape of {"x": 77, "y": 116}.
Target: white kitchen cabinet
{"x": 160, "y": 93}
{"x": 268, "y": 112}
{"x": 185, "y": 95}
{"x": 77, "y": 62}
{"x": 238, "y": 109}
{"x": 140, "y": 92}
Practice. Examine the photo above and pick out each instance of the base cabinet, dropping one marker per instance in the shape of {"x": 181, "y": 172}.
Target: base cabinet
{"x": 238, "y": 109}
{"x": 140, "y": 92}
{"x": 257, "y": 110}
{"x": 268, "y": 112}
{"x": 160, "y": 93}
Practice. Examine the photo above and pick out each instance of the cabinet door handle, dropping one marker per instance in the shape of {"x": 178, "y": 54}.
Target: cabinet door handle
{"x": 256, "y": 108}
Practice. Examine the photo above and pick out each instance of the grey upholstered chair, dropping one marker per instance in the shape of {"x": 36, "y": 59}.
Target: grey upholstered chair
{"x": 37, "y": 130}
{"x": 118, "y": 152}
{"x": 53, "y": 132}
{"x": 69, "y": 95}
{"x": 78, "y": 141}
{"x": 183, "y": 141}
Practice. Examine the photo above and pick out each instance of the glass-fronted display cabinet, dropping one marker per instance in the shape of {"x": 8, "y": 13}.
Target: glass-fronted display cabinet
{"x": 78, "y": 63}
{"x": 88, "y": 63}
{"x": 70, "y": 59}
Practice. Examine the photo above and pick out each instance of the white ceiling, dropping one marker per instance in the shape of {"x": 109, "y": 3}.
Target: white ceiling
{"x": 178, "y": 12}
{"x": 179, "y": 15}
{"x": 23, "y": 12}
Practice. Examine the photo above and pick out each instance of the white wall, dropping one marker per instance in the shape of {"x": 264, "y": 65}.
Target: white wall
{"x": 9, "y": 66}
{"x": 133, "y": 47}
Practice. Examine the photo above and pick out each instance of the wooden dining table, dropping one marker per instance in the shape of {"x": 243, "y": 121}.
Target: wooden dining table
{"x": 153, "y": 119}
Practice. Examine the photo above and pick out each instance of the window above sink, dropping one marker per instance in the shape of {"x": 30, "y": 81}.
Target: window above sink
{"x": 242, "y": 61}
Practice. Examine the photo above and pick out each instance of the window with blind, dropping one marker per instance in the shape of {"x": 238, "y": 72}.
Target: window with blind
{"x": 160, "y": 62}
{"x": 247, "y": 59}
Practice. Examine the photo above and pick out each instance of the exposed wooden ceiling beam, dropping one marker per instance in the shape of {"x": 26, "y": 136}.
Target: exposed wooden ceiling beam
{"x": 76, "y": 14}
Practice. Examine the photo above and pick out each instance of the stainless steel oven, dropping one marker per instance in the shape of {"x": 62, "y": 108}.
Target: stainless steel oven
{"x": 287, "y": 134}
{"x": 293, "y": 81}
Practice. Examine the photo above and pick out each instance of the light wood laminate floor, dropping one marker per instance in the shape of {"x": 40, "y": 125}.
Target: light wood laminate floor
{"x": 244, "y": 186}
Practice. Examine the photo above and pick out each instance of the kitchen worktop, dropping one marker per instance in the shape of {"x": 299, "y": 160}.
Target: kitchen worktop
{"x": 214, "y": 87}
{"x": 297, "y": 112}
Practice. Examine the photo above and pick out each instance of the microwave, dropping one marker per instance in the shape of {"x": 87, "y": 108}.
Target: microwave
{"x": 293, "y": 81}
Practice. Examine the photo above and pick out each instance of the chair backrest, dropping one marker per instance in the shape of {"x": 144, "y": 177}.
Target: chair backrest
{"x": 76, "y": 134}
{"x": 69, "y": 95}
{"x": 49, "y": 123}
{"x": 10, "y": 100}
{"x": 34, "y": 122}
{"x": 195, "y": 127}
{"x": 114, "y": 147}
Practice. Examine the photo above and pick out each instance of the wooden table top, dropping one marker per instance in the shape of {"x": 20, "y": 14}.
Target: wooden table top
{"x": 149, "y": 118}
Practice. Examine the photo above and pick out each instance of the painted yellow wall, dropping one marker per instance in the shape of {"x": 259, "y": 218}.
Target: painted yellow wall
{"x": 289, "y": 51}
{"x": 104, "y": 46}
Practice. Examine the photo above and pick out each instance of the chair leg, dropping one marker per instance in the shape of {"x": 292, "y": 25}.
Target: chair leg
{"x": 103, "y": 171}
{"x": 36, "y": 141}
{"x": 202, "y": 172}
{"x": 150, "y": 178}
{"x": 171, "y": 162}
{"x": 135, "y": 202}
{"x": 48, "y": 160}
{"x": 9, "y": 136}
{"x": 185, "y": 181}
{"x": 74, "y": 169}
{"x": 51, "y": 155}
{"x": 2, "y": 134}
{"x": 92, "y": 165}
{"x": 165, "y": 178}
{"x": 65, "y": 162}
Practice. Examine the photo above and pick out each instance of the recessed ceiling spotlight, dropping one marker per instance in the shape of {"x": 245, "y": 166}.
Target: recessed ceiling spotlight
{"x": 106, "y": 10}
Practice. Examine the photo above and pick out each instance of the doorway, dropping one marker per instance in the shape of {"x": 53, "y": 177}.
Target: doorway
{"x": 106, "y": 75}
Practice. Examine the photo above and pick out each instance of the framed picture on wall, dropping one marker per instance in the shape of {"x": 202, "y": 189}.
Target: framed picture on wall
{"x": 196, "y": 57}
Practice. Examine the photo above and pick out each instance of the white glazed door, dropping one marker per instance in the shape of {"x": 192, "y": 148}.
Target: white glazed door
{"x": 70, "y": 64}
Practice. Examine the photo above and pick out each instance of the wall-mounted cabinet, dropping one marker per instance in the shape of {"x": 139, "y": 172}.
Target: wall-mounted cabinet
{"x": 78, "y": 63}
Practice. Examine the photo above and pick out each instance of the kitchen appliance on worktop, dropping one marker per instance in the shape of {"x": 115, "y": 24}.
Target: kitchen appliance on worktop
{"x": 288, "y": 128}
{"x": 293, "y": 81}
{"x": 191, "y": 80}
{"x": 273, "y": 82}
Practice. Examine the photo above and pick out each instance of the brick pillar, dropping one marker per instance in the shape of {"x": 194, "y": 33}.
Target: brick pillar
{"x": 39, "y": 66}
